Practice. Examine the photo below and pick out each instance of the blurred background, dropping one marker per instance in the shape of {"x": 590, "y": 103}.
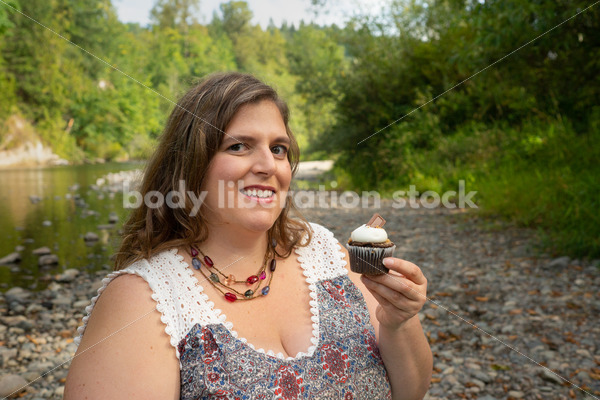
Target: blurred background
{"x": 503, "y": 94}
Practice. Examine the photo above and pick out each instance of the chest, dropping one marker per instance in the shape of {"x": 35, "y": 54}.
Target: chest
{"x": 282, "y": 321}
{"x": 343, "y": 363}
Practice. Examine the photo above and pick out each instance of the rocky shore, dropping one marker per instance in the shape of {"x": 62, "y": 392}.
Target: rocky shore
{"x": 504, "y": 322}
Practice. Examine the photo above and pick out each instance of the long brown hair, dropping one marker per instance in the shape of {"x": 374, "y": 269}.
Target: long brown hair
{"x": 193, "y": 133}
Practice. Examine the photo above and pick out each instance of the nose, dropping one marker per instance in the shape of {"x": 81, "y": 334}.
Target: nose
{"x": 264, "y": 162}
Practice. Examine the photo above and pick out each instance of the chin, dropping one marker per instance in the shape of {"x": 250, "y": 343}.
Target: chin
{"x": 260, "y": 224}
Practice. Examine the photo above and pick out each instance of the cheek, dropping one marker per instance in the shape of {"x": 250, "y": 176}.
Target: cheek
{"x": 285, "y": 176}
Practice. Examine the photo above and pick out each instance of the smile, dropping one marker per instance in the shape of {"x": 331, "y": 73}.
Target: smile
{"x": 261, "y": 194}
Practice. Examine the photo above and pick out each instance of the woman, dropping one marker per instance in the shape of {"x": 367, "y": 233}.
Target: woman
{"x": 199, "y": 292}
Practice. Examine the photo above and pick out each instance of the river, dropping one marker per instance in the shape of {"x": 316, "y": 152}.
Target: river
{"x": 69, "y": 207}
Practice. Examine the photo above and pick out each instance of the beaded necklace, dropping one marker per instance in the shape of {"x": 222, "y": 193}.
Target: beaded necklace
{"x": 230, "y": 293}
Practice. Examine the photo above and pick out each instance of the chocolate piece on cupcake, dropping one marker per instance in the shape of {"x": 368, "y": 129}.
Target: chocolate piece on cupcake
{"x": 368, "y": 246}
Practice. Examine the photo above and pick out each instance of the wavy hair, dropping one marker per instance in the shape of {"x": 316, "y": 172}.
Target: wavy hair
{"x": 192, "y": 135}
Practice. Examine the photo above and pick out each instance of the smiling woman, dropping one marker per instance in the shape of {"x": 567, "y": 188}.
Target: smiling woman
{"x": 296, "y": 324}
{"x": 253, "y": 161}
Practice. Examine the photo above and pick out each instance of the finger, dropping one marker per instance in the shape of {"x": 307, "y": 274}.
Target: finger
{"x": 406, "y": 268}
{"x": 382, "y": 300}
{"x": 392, "y": 289}
{"x": 398, "y": 284}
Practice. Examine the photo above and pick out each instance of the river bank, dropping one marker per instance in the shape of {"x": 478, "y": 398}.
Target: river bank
{"x": 500, "y": 317}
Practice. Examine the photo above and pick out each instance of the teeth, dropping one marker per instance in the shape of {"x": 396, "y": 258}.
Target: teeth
{"x": 258, "y": 193}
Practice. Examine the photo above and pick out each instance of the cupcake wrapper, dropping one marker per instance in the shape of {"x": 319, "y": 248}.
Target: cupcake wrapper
{"x": 368, "y": 260}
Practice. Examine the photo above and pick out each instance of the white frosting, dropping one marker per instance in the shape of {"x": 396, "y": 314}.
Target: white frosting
{"x": 369, "y": 234}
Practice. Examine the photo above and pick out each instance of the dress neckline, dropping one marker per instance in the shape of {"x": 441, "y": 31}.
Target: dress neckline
{"x": 218, "y": 315}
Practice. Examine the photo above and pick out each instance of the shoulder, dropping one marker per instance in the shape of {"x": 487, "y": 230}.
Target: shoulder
{"x": 124, "y": 333}
{"x": 319, "y": 232}
{"x": 322, "y": 257}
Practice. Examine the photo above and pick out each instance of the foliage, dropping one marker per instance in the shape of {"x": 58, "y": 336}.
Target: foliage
{"x": 499, "y": 93}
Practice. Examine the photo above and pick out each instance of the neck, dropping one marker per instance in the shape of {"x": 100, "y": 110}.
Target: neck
{"x": 238, "y": 252}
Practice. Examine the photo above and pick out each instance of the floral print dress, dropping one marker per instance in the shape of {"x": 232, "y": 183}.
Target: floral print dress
{"x": 343, "y": 361}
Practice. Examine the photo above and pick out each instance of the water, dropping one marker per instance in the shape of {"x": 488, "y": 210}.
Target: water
{"x": 68, "y": 209}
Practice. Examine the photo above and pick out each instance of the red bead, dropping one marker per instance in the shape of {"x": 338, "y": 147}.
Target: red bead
{"x": 230, "y": 297}
{"x": 252, "y": 279}
{"x": 263, "y": 276}
{"x": 194, "y": 252}
{"x": 208, "y": 261}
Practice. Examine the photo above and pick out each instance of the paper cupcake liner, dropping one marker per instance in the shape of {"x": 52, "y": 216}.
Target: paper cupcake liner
{"x": 368, "y": 260}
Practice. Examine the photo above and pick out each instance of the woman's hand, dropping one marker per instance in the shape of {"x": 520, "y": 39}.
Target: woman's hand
{"x": 401, "y": 293}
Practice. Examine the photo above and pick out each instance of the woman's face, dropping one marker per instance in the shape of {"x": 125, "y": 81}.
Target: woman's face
{"x": 249, "y": 176}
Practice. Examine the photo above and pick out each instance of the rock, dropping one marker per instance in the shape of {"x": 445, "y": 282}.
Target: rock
{"x": 478, "y": 383}
{"x": 516, "y": 394}
{"x": 548, "y": 376}
{"x": 7, "y": 354}
{"x": 105, "y": 227}
{"x": 41, "y": 251}
{"x": 81, "y": 304}
{"x": 68, "y": 275}
{"x": 47, "y": 223}
{"x": 13, "y": 321}
{"x": 482, "y": 376}
{"x": 96, "y": 285}
{"x": 559, "y": 263}
{"x": 18, "y": 295}
{"x": 35, "y": 199}
{"x": 19, "y": 248}
{"x": 91, "y": 237}
{"x": 11, "y": 384}
{"x": 34, "y": 308}
{"x": 583, "y": 353}
{"x": 48, "y": 259}
{"x": 113, "y": 218}
{"x": 54, "y": 287}
{"x": 40, "y": 367}
{"x": 11, "y": 258}
{"x": 63, "y": 301}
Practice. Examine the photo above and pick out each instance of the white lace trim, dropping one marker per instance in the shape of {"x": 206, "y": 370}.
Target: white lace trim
{"x": 171, "y": 280}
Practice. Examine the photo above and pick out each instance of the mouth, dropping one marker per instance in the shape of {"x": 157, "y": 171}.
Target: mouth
{"x": 258, "y": 192}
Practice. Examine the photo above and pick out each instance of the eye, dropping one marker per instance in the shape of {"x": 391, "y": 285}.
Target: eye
{"x": 279, "y": 150}
{"x": 236, "y": 148}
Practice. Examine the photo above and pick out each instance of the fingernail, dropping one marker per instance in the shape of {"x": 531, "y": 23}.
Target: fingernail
{"x": 387, "y": 262}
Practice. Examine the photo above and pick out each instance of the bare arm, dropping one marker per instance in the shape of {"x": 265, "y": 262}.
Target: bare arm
{"x": 393, "y": 301}
{"x": 125, "y": 352}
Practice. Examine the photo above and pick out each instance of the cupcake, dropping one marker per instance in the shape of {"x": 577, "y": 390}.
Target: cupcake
{"x": 368, "y": 246}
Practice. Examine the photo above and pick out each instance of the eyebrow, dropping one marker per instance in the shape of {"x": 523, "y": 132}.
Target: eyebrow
{"x": 246, "y": 138}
